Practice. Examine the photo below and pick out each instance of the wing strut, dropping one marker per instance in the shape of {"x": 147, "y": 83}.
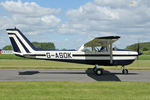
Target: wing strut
{"x": 111, "y": 58}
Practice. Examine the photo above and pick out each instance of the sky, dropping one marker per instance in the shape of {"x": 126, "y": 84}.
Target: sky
{"x": 71, "y": 23}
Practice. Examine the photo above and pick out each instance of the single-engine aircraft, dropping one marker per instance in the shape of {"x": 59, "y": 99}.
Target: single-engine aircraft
{"x": 98, "y": 51}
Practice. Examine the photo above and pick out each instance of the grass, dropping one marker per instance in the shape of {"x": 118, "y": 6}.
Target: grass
{"x": 38, "y": 64}
{"x": 42, "y": 64}
{"x": 146, "y": 52}
{"x": 144, "y": 57}
{"x": 74, "y": 90}
{"x": 48, "y": 90}
{"x": 11, "y": 57}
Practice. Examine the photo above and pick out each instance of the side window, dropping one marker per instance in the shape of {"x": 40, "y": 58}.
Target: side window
{"x": 104, "y": 49}
{"x": 95, "y": 49}
{"x": 87, "y": 49}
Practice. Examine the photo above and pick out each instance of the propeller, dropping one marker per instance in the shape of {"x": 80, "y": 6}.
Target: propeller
{"x": 138, "y": 50}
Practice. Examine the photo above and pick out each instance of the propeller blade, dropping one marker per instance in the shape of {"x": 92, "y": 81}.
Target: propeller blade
{"x": 138, "y": 50}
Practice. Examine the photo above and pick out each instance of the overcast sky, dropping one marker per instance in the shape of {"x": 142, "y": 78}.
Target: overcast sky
{"x": 70, "y": 23}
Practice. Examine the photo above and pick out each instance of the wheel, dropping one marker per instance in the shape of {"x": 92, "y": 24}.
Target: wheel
{"x": 99, "y": 72}
{"x": 124, "y": 71}
{"x": 94, "y": 69}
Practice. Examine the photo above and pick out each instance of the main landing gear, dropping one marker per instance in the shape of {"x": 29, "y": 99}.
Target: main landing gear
{"x": 98, "y": 71}
{"x": 124, "y": 71}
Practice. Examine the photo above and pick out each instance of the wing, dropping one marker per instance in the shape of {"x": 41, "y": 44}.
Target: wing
{"x": 101, "y": 41}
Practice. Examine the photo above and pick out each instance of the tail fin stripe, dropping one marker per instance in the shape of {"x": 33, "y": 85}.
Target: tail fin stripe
{"x": 21, "y": 43}
{"x": 11, "y": 33}
{"x": 15, "y": 46}
{"x": 18, "y": 44}
{"x": 24, "y": 40}
{"x": 29, "y": 43}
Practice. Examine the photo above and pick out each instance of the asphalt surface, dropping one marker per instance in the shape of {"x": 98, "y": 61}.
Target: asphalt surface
{"x": 71, "y": 75}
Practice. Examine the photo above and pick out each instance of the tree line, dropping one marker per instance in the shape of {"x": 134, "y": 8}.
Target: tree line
{"x": 41, "y": 45}
{"x": 144, "y": 47}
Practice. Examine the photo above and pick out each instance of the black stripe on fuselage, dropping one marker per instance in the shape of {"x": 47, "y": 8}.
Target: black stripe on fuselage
{"x": 82, "y": 55}
{"x": 35, "y": 55}
{"x": 93, "y": 62}
{"x": 99, "y": 62}
{"x": 85, "y": 55}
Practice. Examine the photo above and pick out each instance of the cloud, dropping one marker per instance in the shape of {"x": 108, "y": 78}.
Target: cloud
{"x": 108, "y": 17}
{"x": 114, "y": 4}
{"x": 29, "y": 17}
{"x": 50, "y": 20}
{"x": 129, "y": 19}
{"x": 27, "y": 8}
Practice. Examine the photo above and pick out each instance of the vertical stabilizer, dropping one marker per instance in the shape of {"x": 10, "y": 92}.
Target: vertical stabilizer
{"x": 21, "y": 45}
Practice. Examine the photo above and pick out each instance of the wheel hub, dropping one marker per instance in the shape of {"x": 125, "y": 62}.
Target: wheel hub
{"x": 99, "y": 72}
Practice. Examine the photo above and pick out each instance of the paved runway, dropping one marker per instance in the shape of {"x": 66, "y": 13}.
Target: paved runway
{"x": 70, "y": 75}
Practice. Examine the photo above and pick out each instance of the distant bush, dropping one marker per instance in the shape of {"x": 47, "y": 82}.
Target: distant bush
{"x": 7, "y": 47}
{"x": 144, "y": 47}
{"x": 48, "y": 45}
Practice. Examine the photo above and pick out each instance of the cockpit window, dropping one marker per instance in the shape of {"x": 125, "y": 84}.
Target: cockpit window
{"x": 95, "y": 49}
{"x": 87, "y": 49}
{"x": 103, "y": 49}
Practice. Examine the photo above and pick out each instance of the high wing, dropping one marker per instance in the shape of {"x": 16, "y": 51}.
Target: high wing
{"x": 101, "y": 41}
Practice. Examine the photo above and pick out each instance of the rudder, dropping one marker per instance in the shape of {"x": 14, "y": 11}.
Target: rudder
{"x": 21, "y": 45}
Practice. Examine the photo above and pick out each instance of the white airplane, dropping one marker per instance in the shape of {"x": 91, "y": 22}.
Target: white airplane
{"x": 96, "y": 52}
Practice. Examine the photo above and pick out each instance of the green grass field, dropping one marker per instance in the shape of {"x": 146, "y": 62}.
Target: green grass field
{"x": 144, "y": 57}
{"x": 51, "y": 90}
{"x": 11, "y": 57}
{"x": 74, "y": 90}
{"x": 42, "y": 64}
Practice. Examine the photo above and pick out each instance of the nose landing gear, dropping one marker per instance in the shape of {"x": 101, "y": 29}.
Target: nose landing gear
{"x": 124, "y": 71}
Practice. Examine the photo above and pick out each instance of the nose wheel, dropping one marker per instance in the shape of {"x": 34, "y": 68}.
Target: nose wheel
{"x": 124, "y": 71}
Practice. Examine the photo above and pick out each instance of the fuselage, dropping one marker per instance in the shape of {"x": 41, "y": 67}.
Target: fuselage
{"x": 100, "y": 58}
{"x": 98, "y": 51}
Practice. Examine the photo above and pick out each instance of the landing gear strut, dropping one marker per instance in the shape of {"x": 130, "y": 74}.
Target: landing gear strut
{"x": 124, "y": 71}
{"x": 98, "y": 71}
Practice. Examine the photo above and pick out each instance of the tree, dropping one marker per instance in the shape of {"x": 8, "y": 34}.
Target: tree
{"x": 145, "y": 49}
{"x": 7, "y": 47}
{"x": 48, "y": 45}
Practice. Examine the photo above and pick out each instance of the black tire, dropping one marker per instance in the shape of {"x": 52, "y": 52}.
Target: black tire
{"x": 124, "y": 71}
{"x": 99, "y": 72}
